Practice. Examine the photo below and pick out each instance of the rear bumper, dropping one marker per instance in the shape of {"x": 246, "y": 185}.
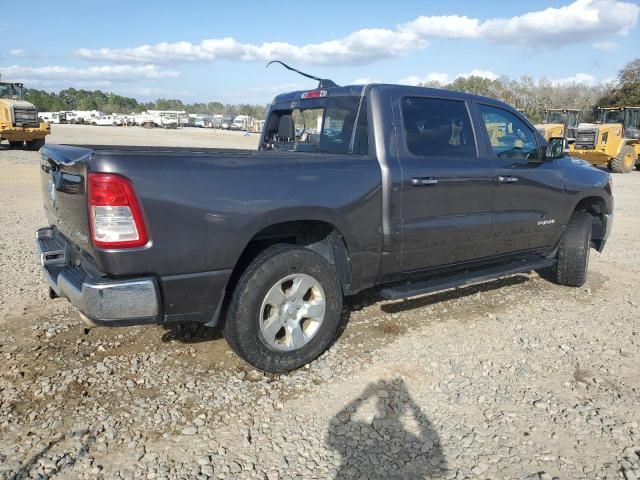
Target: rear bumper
{"x": 102, "y": 300}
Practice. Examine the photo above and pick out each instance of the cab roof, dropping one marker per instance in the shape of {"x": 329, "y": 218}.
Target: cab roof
{"x": 358, "y": 90}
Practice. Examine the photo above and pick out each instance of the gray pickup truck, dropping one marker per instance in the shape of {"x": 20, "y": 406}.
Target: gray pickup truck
{"x": 403, "y": 189}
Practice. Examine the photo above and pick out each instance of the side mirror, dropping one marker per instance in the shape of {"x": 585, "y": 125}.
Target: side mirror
{"x": 557, "y": 147}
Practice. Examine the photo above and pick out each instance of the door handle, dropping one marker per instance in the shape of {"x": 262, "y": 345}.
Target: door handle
{"x": 502, "y": 179}
{"x": 423, "y": 181}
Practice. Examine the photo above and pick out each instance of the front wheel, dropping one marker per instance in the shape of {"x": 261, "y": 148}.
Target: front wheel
{"x": 625, "y": 161}
{"x": 15, "y": 144}
{"x": 572, "y": 259}
{"x": 285, "y": 310}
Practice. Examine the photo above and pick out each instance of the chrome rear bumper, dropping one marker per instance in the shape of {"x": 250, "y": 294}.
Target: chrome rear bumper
{"x": 102, "y": 300}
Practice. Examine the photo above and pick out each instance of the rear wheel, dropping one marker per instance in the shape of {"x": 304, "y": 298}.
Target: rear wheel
{"x": 572, "y": 259}
{"x": 35, "y": 144}
{"x": 15, "y": 144}
{"x": 285, "y": 310}
{"x": 625, "y": 161}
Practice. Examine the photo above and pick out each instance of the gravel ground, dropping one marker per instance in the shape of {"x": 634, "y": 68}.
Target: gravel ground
{"x": 517, "y": 378}
{"x": 191, "y": 137}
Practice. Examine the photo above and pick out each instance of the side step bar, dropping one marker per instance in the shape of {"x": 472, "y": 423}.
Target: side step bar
{"x": 430, "y": 285}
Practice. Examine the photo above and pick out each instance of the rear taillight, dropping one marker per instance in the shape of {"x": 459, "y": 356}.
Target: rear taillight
{"x": 114, "y": 213}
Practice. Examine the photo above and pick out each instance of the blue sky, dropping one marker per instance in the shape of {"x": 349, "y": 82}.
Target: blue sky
{"x": 205, "y": 51}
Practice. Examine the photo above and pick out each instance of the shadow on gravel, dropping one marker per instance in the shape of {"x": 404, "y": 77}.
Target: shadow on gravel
{"x": 382, "y": 445}
{"x": 194, "y": 332}
{"x": 190, "y": 332}
{"x": 67, "y": 460}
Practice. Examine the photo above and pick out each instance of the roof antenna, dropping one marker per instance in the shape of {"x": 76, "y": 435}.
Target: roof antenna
{"x": 322, "y": 82}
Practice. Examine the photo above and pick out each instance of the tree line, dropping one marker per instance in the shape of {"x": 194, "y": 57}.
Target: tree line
{"x": 534, "y": 96}
{"x": 526, "y": 93}
{"x": 74, "y": 99}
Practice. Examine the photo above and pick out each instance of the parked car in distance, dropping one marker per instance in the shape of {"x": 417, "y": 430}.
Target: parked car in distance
{"x": 105, "y": 120}
{"x": 411, "y": 190}
{"x": 227, "y": 121}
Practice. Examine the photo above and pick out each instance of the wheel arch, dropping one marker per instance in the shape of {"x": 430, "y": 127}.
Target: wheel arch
{"x": 320, "y": 236}
{"x": 597, "y": 207}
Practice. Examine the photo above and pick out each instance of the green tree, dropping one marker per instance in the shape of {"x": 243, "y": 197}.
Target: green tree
{"x": 215, "y": 108}
{"x": 627, "y": 89}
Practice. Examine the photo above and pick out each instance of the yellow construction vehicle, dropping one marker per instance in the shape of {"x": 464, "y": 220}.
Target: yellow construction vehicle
{"x": 559, "y": 122}
{"x": 613, "y": 142}
{"x": 19, "y": 122}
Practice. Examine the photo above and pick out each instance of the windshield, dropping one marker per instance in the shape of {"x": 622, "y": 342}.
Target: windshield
{"x": 568, "y": 118}
{"x": 336, "y": 125}
{"x": 612, "y": 116}
{"x": 555, "y": 117}
{"x": 10, "y": 91}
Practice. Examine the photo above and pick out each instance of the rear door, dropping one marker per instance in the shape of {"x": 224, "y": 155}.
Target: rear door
{"x": 528, "y": 202}
{"x": 446, "y": 185}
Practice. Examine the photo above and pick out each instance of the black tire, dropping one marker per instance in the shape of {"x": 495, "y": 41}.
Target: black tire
{"x": 15, "y": 144}
{"x": 242, "y": 328}
{"x": 35, "y": 145}
{"x": 572, "y": 259}
{"x": 619, "y": 165}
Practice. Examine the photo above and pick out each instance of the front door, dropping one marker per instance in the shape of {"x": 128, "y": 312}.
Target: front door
{"x": 446, "y": 185}
{"x": 528, "y": 202}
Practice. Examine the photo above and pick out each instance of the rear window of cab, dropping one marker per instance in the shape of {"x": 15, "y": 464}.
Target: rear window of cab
{"x": 328, "y": 125}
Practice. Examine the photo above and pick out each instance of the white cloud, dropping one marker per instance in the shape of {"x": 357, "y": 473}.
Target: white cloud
{"x": 102, "y": 73}
{"x": 582, "y": 20}
{"x": 414, "y": 80}
{"x": 578, "y": 78}
{"x": 17, "y": 52}
{"x": 444, "y": 78}
{"x": 605, "y": 46}
{"x": 480, "y": 73}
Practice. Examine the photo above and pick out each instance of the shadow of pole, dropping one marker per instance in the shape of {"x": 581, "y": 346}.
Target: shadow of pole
{"x": 23, "y": 471}
{"x": 382, "y": 445}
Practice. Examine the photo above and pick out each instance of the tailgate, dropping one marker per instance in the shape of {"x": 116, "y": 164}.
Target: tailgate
{"x": 63, "y": 176}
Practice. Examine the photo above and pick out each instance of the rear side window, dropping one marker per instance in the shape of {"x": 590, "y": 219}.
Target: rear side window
{"x": 437, "y": 127}
{"x": 510, "y": 137}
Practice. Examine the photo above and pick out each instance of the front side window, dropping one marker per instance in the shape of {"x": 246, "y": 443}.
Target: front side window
{"x": 555, "y": 117}
{"x": 572, "y": 119}
{"x": 334, "y": 125}
{"x": 633, "y": 119}
{"x": 437, "y": 127}
{"x": 10, "y": 91}
{"x": 509, "y": 136}
{"x": 613, "y": 116}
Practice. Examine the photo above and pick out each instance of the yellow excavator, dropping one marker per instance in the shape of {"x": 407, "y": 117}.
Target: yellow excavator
{"x": 613, "y": 141}
{"x": 559, "y": 122}
{"x": 19, "y": 122}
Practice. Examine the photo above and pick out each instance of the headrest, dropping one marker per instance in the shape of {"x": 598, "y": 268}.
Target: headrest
{"x": 439, "y": 134}
{"x": 286, "y": 128}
